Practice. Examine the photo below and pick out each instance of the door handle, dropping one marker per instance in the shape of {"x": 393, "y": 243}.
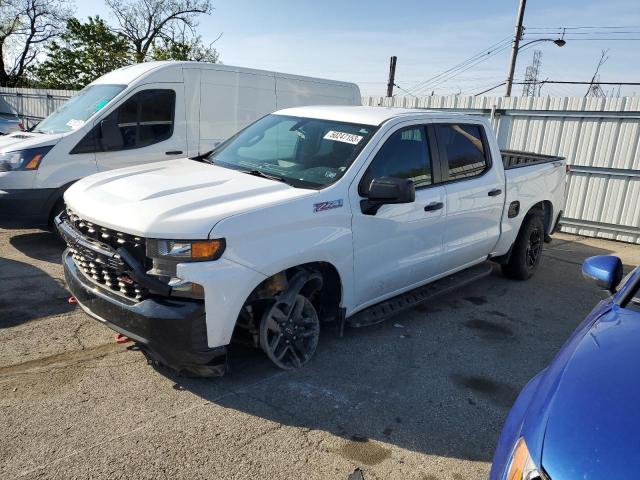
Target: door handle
{"x": 495, "y": 192}
{"x": 173, "y": 152}
{"x": 433, "y": 206}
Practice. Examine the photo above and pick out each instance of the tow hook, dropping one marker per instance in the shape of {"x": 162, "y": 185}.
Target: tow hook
{"x": 72, "y": 300}
{"x": 121, "y": 339}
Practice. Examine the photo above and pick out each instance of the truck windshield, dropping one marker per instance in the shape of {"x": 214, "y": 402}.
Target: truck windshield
{"x": 79, "y": 108}
{"x": 303, "y": 152}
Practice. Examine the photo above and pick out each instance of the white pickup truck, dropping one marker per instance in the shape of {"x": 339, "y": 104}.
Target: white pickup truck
{"x": 308, "y": 215}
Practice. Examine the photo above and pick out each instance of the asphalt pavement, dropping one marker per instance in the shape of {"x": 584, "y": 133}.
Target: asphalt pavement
{"x": 421, "y": 396}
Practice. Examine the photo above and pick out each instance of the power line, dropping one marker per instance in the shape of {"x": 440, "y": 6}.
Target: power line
{"x": 462, "y": 64}
{"x": 582, "y": 28}
{"x": 442, "y": 79}
{"x": 597, "y": 32}
{"x": 405, "y": 91}
{"x": 560, "y": 82}
{"x": 603, "y": 39}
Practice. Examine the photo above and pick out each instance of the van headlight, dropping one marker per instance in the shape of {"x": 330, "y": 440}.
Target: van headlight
{"x": 167, "y": 254}
{"x": 521, "y": 466}
{"x": 27, "y": 159}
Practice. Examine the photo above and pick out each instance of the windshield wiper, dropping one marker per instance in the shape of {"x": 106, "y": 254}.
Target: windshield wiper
{"x": 203, "y": 157}
{"x": 258, "y": 173}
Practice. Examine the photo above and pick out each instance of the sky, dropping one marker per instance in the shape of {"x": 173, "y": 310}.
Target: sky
{"x": 353, "y": 40}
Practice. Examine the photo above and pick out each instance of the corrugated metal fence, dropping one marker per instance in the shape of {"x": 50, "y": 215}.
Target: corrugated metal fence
{"x": 599, "y": 137}
{"x": 32, "y": 104}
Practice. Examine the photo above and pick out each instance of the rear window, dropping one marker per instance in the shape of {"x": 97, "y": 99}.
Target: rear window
{"x": 464, "y": 150}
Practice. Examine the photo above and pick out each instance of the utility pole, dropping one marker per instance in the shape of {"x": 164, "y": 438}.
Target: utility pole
{"x": 515, "y": 46}
{"x": 392, "y": 75}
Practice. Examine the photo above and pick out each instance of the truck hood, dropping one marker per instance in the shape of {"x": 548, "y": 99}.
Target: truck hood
{"x": 176, "y": 199}
{"x": 21, "y": 140}
{"x": 593, "y": 418}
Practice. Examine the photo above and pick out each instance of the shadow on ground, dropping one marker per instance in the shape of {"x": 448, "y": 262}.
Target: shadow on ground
{"x": 438, "y": 380}
{"x": 44, "y": 245}
{"x": 29, "y": 293}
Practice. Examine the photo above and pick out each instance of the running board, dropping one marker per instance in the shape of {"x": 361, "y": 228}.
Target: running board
{"x": 387, "y": 309}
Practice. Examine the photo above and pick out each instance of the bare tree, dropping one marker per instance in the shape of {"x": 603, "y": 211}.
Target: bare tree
{"x": 26, "y": 26}
{"x": 145, "y": 21}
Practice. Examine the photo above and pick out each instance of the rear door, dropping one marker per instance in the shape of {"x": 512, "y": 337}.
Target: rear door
{"x": 151, "y": 125}
{"x": 474, "y": 193}
{"x": 399, "y": 246}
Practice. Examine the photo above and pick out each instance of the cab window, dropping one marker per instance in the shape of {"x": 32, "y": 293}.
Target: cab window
{"x": 404, "y": 155}
{"x": 463, "y": 149}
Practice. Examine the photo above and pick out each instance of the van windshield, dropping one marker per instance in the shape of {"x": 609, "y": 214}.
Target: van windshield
{"x": 303, "y": 152}
{"x": 79, "y": 108}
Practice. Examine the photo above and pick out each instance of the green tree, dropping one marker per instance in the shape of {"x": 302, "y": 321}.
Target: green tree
{"x": 85, "y": 52}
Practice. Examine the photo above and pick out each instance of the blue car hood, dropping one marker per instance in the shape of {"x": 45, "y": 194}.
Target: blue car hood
{"x": 593, "y": 423}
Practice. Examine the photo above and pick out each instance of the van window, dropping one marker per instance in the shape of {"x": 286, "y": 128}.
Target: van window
{"x": 144, "y": 119}
{"x": 78, "y": 109}
{"x": 463, "y": 148}
{"x": 404, "y": 155}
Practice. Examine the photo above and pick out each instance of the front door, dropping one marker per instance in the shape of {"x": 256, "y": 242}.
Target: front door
{"x": 474, "y": 188}
{"x": 148, "y": 126}
{"x": 400, "y": 245}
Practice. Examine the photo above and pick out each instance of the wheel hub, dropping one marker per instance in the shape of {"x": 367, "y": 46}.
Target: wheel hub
{"x": 289, "y": 333}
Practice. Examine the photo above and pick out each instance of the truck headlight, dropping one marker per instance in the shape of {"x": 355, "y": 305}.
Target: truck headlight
{"x": 167, "y": 254}
{"x": 186, "y": 250}
{"x": 521, "y": 466}
{"x": 27, "y": 159}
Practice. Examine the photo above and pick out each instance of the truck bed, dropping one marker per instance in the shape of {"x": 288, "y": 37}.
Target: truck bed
{"x": 516, "y": 159}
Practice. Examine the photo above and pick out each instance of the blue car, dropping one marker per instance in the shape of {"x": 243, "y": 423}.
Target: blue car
{"x": 580, "y": 417}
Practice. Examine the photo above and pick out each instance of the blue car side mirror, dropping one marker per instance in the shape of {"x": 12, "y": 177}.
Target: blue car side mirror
{"x": 606, "y": 270}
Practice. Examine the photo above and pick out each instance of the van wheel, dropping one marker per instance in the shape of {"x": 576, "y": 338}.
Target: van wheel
{"x": 289, "y": 333}
{"x": 57, "y": 209}
{"x": 527, "y": 250}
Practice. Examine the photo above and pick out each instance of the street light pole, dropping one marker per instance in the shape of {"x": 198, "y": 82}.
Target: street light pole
{"x": 514, "y": 47}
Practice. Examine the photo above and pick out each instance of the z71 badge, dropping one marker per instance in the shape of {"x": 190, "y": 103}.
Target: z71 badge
{"x": 322, "y": 206}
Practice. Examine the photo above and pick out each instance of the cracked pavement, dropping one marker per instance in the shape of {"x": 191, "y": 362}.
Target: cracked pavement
{"x": 422, "y": 396}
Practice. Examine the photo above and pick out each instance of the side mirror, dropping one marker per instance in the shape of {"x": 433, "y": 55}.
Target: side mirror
{"x": 388, "y": 190}
{"x": 606, "y": 270}
{"x": 110, "y": 135}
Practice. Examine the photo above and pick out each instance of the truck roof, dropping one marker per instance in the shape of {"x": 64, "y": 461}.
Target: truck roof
{"x": 366, "y": 115}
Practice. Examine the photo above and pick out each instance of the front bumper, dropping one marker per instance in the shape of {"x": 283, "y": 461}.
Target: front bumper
{"x": 172, "y": 331}
{"x": 25, "y": 207}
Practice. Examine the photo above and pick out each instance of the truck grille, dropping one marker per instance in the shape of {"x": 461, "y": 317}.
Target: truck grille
{"x": 98, "y": 259}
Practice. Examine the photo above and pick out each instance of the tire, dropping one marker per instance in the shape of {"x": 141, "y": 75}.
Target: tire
{"x": 527, "y": 249}
{"x": 55, "y": 211}
{"x": 289, "y": 333}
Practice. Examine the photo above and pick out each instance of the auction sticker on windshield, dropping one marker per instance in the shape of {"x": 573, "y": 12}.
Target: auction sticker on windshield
{"x": 343, "y": 137}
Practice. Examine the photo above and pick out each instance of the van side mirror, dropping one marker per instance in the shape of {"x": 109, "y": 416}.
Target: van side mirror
{"x": 110, "y": 135}
{"x": 388, "y": 190}
{"x": 605, "y": 270}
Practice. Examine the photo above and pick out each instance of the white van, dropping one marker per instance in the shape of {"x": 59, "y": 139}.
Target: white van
{"x": 138, "y": 114}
